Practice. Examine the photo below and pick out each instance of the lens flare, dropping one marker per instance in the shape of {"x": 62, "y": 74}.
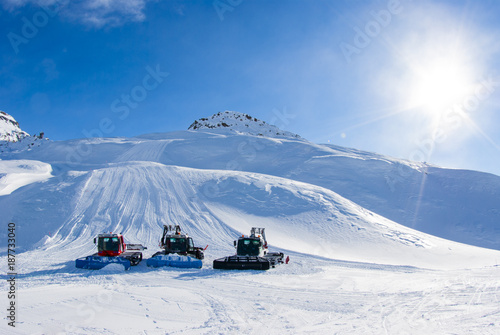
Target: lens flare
{"x": 438, "y": 84}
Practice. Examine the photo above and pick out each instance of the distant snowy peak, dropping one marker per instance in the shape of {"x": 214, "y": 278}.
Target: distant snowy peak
{"x": 13, "y": 139}
{"x": 9, "y": 129}
{"x": 240, "y": 123}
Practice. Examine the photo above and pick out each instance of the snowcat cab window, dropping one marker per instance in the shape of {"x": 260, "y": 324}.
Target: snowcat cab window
{"x": 249, "y": 247}
{"x": 108, "y": 244}
{"x": 176, "y": 244}
{"x": 190, "y": 244}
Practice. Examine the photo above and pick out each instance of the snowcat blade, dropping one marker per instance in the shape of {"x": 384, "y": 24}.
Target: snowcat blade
{"x": 174, "y": 261}
{"x": 242, "y": 263}
{"x": 98, "y": 262}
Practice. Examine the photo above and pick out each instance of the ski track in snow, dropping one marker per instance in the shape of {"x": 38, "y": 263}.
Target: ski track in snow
{"x": 352, "y": 271}
{"x": 305, "y": 296}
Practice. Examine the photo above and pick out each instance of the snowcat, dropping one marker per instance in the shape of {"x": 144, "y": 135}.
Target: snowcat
{"x": 251, "y": 254}
{"x": 111, "y": 249}
{"x": 178, "y": 250}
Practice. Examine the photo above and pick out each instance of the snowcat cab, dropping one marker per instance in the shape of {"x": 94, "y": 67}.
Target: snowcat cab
{"x": 174, "y": 241}
{"x": 109, "y": 244}
{"x": 178, "y": 250}
{"x": 250, "y": 246}
{"x": 177, "y": 245}
{"x": 251, "y": 254}
{"x": 111, "y": 248}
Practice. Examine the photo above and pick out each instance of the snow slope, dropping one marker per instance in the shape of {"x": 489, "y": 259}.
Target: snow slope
{"x": 136, "y": 198}
{"x": 352, "y": 270}
{"x": 457, "y": 205}
{"x": 15, "y": 174}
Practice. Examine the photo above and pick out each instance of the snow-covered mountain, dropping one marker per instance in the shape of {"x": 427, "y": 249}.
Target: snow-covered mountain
{"x": 362, "y": 231}
{"x": 13, "y": 138}
{"x": 9, "y": 129}
{"x": 458, "y": 205}
{"x": 452, "y": 204}
{"x": 241, "y": 124}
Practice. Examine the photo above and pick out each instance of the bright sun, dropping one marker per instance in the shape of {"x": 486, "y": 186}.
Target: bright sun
{"x": 438, "y": 85}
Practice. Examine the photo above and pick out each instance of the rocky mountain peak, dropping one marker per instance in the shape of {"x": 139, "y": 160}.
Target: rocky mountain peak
{"x": 240, "y": 123}
{"x": 9, "y": 129}
{"x": 13, "y": 138}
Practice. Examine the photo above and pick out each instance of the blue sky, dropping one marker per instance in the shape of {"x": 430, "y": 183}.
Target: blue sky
{"x": 411, "y": 79}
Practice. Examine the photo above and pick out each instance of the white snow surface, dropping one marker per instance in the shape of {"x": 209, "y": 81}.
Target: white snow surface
{"x": 349, "y": 220}
{"x": 17, "y": 173}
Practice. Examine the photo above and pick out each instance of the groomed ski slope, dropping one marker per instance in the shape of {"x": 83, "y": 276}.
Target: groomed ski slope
{"x": 356, "y": 290}
{"x": 352, "y": 271}
{"x": 61, "y": 218}
{"x": 458, "y": 205}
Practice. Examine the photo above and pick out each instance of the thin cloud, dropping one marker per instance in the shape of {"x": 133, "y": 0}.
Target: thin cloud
{"x": 100, "y": 13}
{"x": 93, "y": 13}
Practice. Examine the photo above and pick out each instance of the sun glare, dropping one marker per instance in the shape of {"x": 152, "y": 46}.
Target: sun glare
{"x": 438, "y": 85}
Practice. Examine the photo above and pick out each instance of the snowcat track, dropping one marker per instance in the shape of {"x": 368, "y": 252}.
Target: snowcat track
{"x": 249, "y": 262}
{"x": 133, "y": 256}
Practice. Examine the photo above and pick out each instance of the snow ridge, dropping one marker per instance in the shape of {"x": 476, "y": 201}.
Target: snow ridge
{"x": 240, "y": 123}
